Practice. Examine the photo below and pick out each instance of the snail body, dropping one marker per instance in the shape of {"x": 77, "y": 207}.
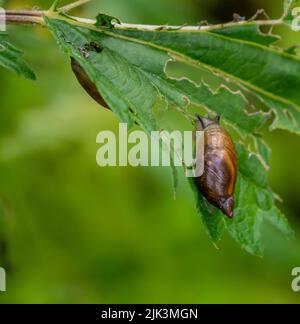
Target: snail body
{"x": 217, "y": 183}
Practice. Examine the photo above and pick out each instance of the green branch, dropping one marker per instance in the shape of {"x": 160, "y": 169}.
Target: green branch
{"x": 73, "y": 5}
{"x": 36, "y": 17}
{"x": 24, "y": 17}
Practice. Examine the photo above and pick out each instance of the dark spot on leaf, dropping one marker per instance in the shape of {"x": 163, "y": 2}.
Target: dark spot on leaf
{"x": 94, "y": 47}
{"x": 90, "y": 47}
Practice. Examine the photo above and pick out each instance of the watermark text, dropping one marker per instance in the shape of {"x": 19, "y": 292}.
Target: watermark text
{"x": 160, "y": 148}
{"x": 296, "y": 20}
{"x": 2, "y": 20}
{"x": 296, "y": 280}
{"x": 2, "y": 280}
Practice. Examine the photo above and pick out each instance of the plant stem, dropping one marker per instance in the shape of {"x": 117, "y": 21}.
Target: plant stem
{"x": 73, "y": 5}
{"x": 24, "y": 12}
{"x": 180, "y": 28}
{"x": 23, "y": 17}
{"x": 36, "y": 17}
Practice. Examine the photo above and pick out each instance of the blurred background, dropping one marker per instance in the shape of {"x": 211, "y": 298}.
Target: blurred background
{"x": 71, "y": 232}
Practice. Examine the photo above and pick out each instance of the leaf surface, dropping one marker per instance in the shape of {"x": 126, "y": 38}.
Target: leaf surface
{"x": 11, "y": 59}
{"x": 271, "y": 74}
{"x": 128, "y": 68}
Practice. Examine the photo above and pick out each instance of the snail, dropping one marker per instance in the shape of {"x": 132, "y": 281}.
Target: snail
{"x": 87, "y": 83}
{"x": 220, "y": 165}
{"x": 81, "y": 75}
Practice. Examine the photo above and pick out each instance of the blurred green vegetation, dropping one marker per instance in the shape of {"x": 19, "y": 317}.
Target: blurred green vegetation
{"x": 72, "y": 232}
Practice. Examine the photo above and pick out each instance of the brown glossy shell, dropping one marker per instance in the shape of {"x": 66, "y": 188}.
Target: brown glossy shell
{"x": 217, "y": 183}
{"x": 86, "y": 83}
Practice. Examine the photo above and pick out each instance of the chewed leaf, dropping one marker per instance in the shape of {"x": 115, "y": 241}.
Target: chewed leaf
{"x": 263, "y": 151}
{"x": 268, "y": 73}
{"x": 148, "y": 64}
{"x": 254, "y": 202}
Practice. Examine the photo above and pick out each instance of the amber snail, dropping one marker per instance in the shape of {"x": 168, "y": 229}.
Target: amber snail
{"x": 217, "y": 183}
{"x": 87, "y": 83}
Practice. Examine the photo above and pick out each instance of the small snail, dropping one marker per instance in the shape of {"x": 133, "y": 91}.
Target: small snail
{"x": 87, "y": 83}
{"x": 220, "y": 165}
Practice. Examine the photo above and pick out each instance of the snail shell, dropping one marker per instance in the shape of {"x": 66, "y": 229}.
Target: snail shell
{"x": 87, "y": 83}
{"x": 220, "y": 165}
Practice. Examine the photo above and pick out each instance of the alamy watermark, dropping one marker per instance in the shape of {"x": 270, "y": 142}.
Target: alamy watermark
{"x": 2, "y": 280}
{"x": 160, "y": 148}
{"x": 296, "y": 20}
{"x": 296, "y": 280}
{"x": 2, "y": 20}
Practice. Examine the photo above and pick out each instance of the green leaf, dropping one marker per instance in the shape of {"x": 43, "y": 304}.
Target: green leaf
{"x": 129, "y": 72}
{"x": 271, "y": 74}
{"x": 278, "y": 220}
{"x": 109, "y": 71}
{"x": 247, "y": 32}
{"x": 245, "y": 230}
{"x": 11, "y": 59}
{"x": 230, "y": 105}
{"x": 212, "y": 218}
{"x": 263, "y": 150}
{"x": 148, "y": 65}
{"x": 254, "y": 202}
